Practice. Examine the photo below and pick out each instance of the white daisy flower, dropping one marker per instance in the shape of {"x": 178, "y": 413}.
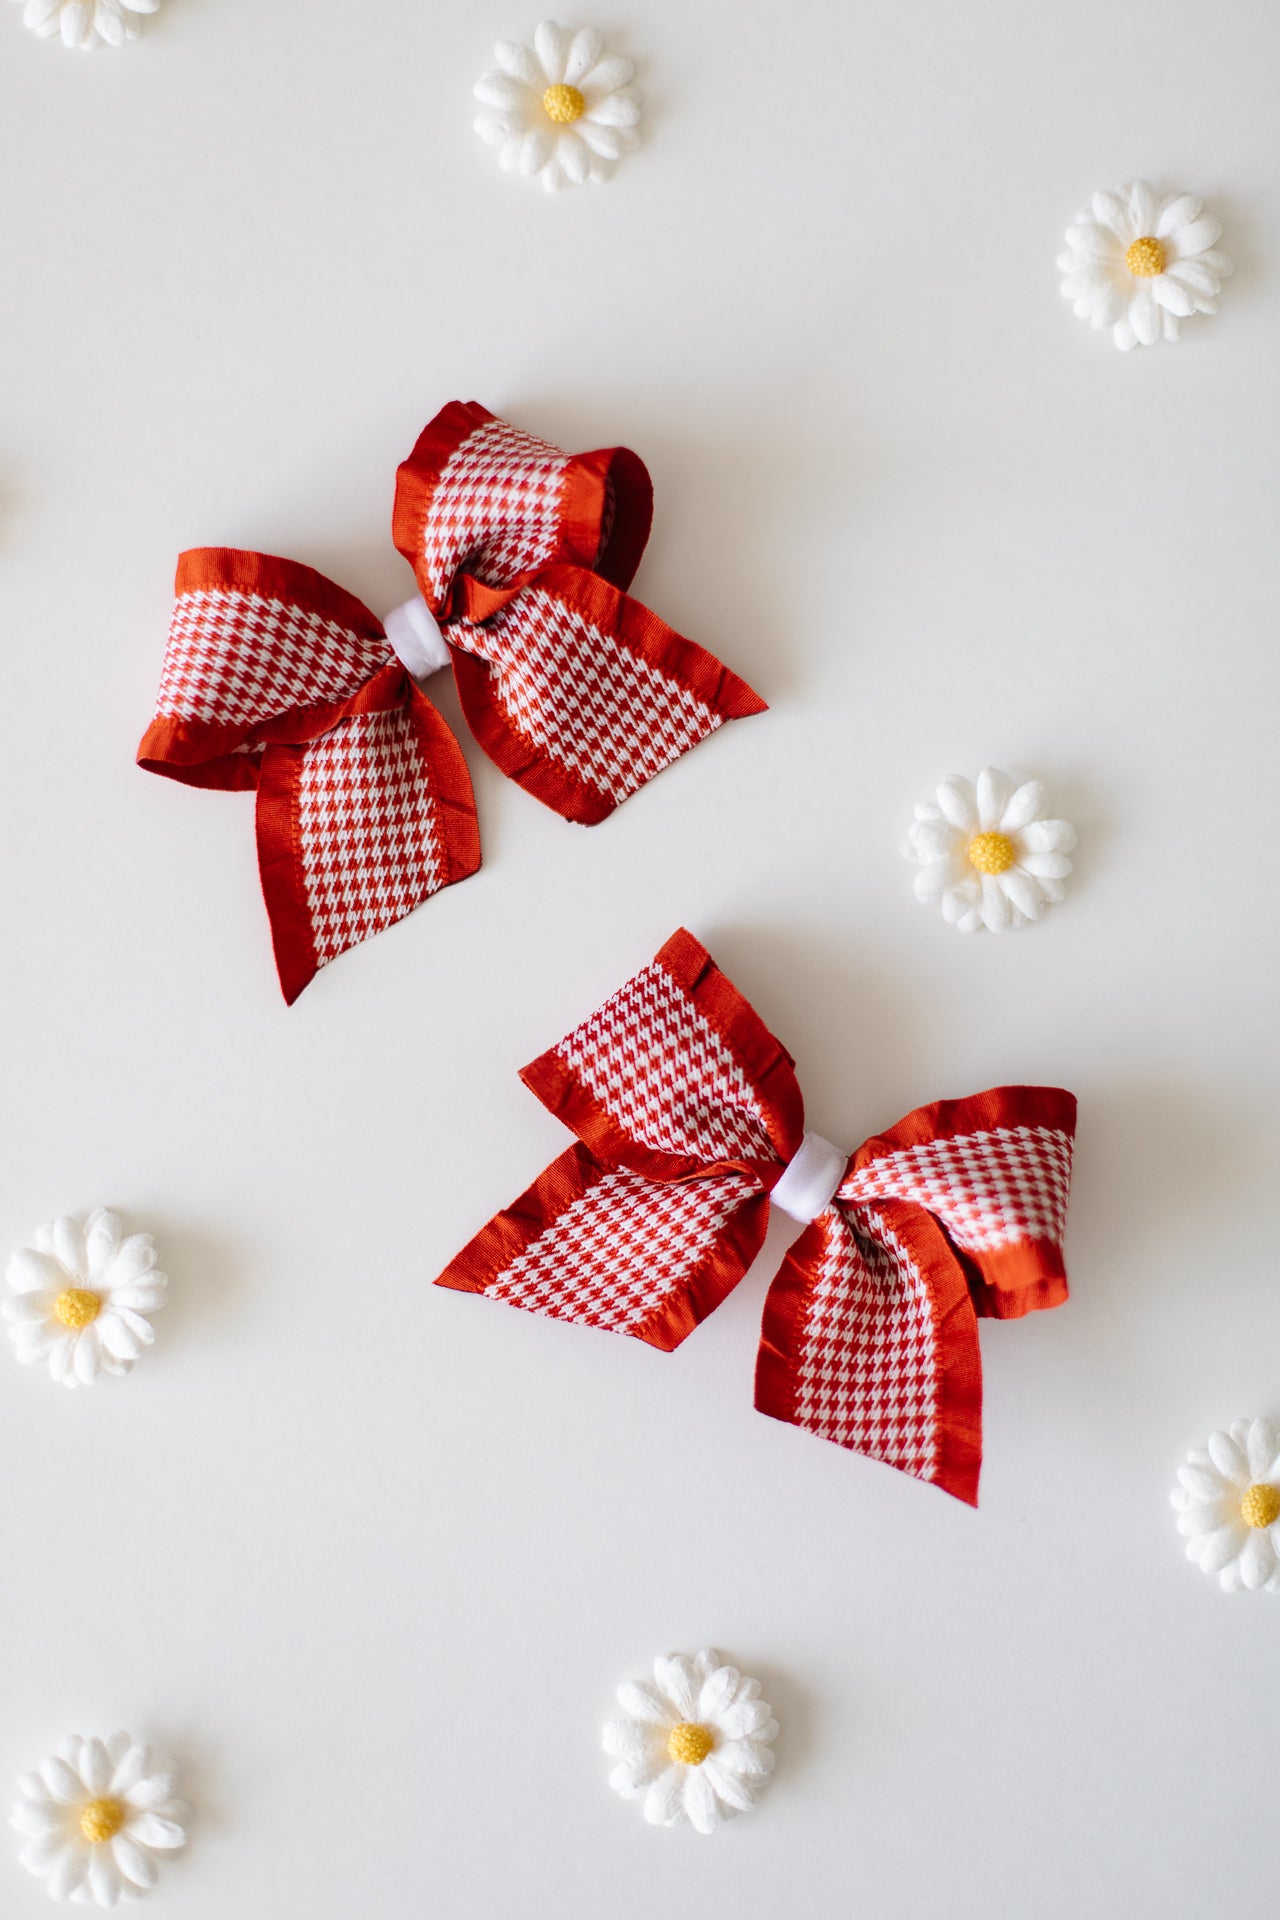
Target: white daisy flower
{"x": 1138, "y": 264}
{"x": 696, "y": 1744}
{"x": 1229, "y": 1506}
{"x": 561, "y": 108}
{"x": 81, "y": 1296}
{"x": 95, "y": 1816}
{"x": 85, "y": 23}
{"x": 987, "y": 854}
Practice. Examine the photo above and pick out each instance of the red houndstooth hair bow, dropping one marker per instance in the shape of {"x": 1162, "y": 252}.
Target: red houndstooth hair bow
{"x": 274, "y": 679}
{"x": 689, "y": 1123}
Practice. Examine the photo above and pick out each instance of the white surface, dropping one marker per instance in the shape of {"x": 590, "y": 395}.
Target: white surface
{"x": 371, "y": 1556}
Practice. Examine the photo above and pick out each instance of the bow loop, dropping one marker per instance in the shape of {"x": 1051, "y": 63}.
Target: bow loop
{"x": 479, "y": 498}
{"x": 576, "y": 691}
{"x": 689, "y": 1119}
{"x": 276, "y": 679}
{"x": 258, "y": 649}
{"x": 676, "y": 1074}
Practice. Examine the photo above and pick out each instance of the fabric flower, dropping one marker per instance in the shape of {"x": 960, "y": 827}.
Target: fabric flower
{"x": 560, "y": 108}
{"x": 83, "y": 23}
{"x": 81, "y": 1296}
{"x": 1138, "y": 265}
{"x": 696, "y": 1744}
{"x": 987, "y": 854}
{"x": 1228, "y": 1505}
{"x": 95, "y": 1816}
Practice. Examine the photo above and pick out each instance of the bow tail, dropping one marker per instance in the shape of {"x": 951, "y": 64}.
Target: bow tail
{"x": 604, "y": 1247}
{"x": 357, "y": 828}
{"x": 870, "y": 1340}
{"x": 579, "y": 693}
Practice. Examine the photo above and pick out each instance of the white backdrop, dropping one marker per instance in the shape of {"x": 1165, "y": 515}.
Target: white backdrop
{"x": 371, "y": 1556}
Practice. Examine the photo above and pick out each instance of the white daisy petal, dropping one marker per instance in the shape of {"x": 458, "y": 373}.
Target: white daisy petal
{"x": 33, "y": 1272}
{"x": 551, "y": 44}
{"x": 518, "y": 62}
{"x": 585, "y": 50}
{"x": 1171, "y": 295}
{"x": 152, "y": 1793}
{"x": 1257, "y": 1559}
{"x": 642, "y": 1702}
{"x": 995, "y": 908}
{"x": 1047, "y": 836}
{"x": 1110, "y": 211}
{"x": 958, "y": 803}
{"x": 103, "y": 1876}
{"x": 135, "y": 1863}
{"x": 994, "y": 791}
{"x": 931, "y": 882}
{"x": 716, "y": 1695}
{"x": 38, "y": 1855}
{"x": 1143, "y": 208}
{"x": 1025, "y": 804}
{"x": 574, "y": 157}
{"x": 606, "y": 77}
{"x": 1143, "y": 317}
{"x": 631, "y": 1778}
{"x": 37, "y": 1817}
{"x": 535, "y": 151}
{"x": 1228, "y": 1458}
{"x": 746, "y": 1757}
{"x": 1197, "y": 238}
{"x": 631, "y": 1740}
{"x": 675, "y": 1678}
{"x": 737, "y": 1790}
{"x": 1179, "y": 210}
{"x": 1262, "y": 1445}
{"x": 663, "y": 1801}
{"x": 87, "y": 1357}
{"x": 69, "y": 1248}
{"x": 1047, "y": 866}
{"x": 699, "y": 1801}
{"x": 153, "y": 1830}
{"x": 1024, "y": 891}
{"x": 609, "y": 142}
{"x": 615, "y": 110}
{"x": 95, "y": 1768}
{"x": 67, "y": 1873}
{"x": 501, "y": 91}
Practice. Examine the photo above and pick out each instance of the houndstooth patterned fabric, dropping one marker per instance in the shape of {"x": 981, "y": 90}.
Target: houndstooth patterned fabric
{"x": 615, "y": 1256}
{"x": 988, "y": 1189}
{"x": 496, "y": 508}
{"x": 367, "y": 830}
{"x": 582, "y": 696}
{"x": 233, "y": 658}
{"x": 664, "y": 1074}
{"x": 867, "y": 1366}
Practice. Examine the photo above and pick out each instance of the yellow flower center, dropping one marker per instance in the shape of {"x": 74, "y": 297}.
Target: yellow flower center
{"x": 76, "y": 1306}
{"x": 1146, "y": 257}
{"x": 101, "y": 1820}
{"x": 564, "y": 105}
{"x": 992, "y": 852}
{"x": 689, "y": 1744}
{"x": 1260, "y": 1505}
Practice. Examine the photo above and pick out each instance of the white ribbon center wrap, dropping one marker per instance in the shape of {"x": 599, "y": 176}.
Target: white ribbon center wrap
{"x": 416, "y": 640}
{"x": 810, "y": 1181}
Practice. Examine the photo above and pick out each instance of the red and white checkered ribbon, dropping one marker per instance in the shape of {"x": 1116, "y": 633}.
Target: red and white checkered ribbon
{"x": 274, "y": 679}
{"x": 688, "y": 1115}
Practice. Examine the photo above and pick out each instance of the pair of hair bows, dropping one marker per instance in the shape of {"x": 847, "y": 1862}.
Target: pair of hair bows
{"x": 690, "y": 1127}
{"x": 278, "y": 681}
